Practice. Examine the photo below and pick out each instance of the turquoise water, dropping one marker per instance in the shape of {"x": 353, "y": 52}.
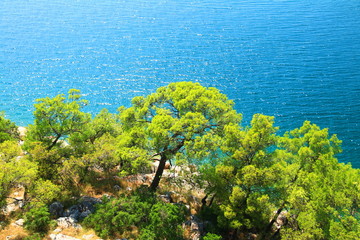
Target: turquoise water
{"x": 296, "y": 60}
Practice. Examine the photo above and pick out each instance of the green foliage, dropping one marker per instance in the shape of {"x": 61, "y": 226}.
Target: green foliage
{"x": 48, "y": 161}
{"x": 147, "y": 234}
{"x": 321, "y": 192}
{"x": 103, "y": 123}
{"x": 166, "y": 216}
{"x": 9, "y": 150}
{"x": 117, "y": 216}
{"x": 37, "y": 220}
{"x": 8, "y": 129}
{"x": 57, "y": 118}
{"x": 15, "y": 172}
{"x": 44, "y": 191}
{"x": 181, "y": 118}
{"x": 250, "y": 174}
{"x": 211, "y": 236}
{"x": 244, "y": 182}
{"x": 295, "y": 174}
{"x": 104, "y": 155}
{"x": 34, "y": 236}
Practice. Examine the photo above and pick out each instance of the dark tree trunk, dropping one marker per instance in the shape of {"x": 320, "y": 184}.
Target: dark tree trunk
{"x": 54, "y": 142}
{"x": 203, "y": 201}
{"x": 268, "y": 228}
{"x": 158, "y": 174}
{"x": 163, "y": 158}
{"x": 212, "y": 200}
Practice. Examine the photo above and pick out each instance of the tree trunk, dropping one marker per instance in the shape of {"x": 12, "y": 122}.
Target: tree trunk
{"x": 203, "y": 201}
{"x": 212, "y": 200}
{"x": 268, "y": 228}
{"x": 158, "y": 174}
{"x": 163, "y": 158}
{"x": 54, "y": 142}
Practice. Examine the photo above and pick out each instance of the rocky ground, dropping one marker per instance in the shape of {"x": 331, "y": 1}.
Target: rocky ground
{"x": 68, "y": 219}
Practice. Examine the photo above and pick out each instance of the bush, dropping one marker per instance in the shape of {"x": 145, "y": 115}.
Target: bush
{"x": 165, "y": 220}
{"x": 154, "y": 219}
{"x": 35, "y": 236}
{"x": 8, "y": 129}
{"x": 212, "y": 236}
{"x": 147, "y": 234}
{"x": 37, "y": 220}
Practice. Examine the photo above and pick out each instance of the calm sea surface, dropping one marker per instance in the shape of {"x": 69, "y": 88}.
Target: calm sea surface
{"x": 296, "y": 60}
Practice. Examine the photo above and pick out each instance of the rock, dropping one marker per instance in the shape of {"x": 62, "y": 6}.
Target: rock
{"x": 22, "y": 131}
{"x": 20, "y": 222}
{"x": 61, "y": 237}
{"x": 80, "y": 211}
{"x": 66, "y": 222}
{"x": 167, "y": 165}
{"x": 281, "y": 219}
{"x": 88, "y": 204}
{"x": 195, "y": 236}
{"x": 87, "y": 237}
{"x": 84, "y": 214}
{"x": 10, "y": 237}
{"x": 196, "y": 227}
{"x": 106, "y": 195}
{"x": 9, "y": 208}
{"x": 166, "y": 198}
{"x": 117, "y": 188}
{"x": 56, "y": 209}
{"x": 73, "y": 212}
{"x": 89, "y": 199}
{"x": 154, "y": 166}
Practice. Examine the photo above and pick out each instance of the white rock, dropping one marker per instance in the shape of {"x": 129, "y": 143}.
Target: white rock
{"x": 20, "y": 222}
{"x": 87, "y": 237}
{"x": 9, "y": 208}
{"x": 66, "y": 222}
{"x": 61, "y": 237}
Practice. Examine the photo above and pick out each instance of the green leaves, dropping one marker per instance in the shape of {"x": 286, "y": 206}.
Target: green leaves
{"x": 179, "y": 118}
{"x": 251, "y": 175}
{"x": 152, "y": 218}
{"x": 297, "y": 174}
{"x": 57, "y": 117}
{"x": 14, "y": 172}
{"x": 8, "y": 129}
{"x": 37, "y": 219}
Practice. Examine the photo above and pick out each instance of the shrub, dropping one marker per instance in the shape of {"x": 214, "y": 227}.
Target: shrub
{"x": 154, "y": 219}
{"x": 35, "y": 236}
{"x": 212, "y": 236}
{"x": 8, "y": 129}
{"x": 37, "y": 220}
{"x": 165, "y": 220}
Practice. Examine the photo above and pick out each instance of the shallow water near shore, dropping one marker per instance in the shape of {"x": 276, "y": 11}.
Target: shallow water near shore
{"x": 295, "y": 60}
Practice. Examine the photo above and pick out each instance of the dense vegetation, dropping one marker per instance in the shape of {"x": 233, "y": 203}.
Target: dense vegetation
{"x": 255, "y": 182}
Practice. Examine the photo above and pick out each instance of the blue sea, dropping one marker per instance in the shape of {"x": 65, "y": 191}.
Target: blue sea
{"x": 296, "y": 60}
